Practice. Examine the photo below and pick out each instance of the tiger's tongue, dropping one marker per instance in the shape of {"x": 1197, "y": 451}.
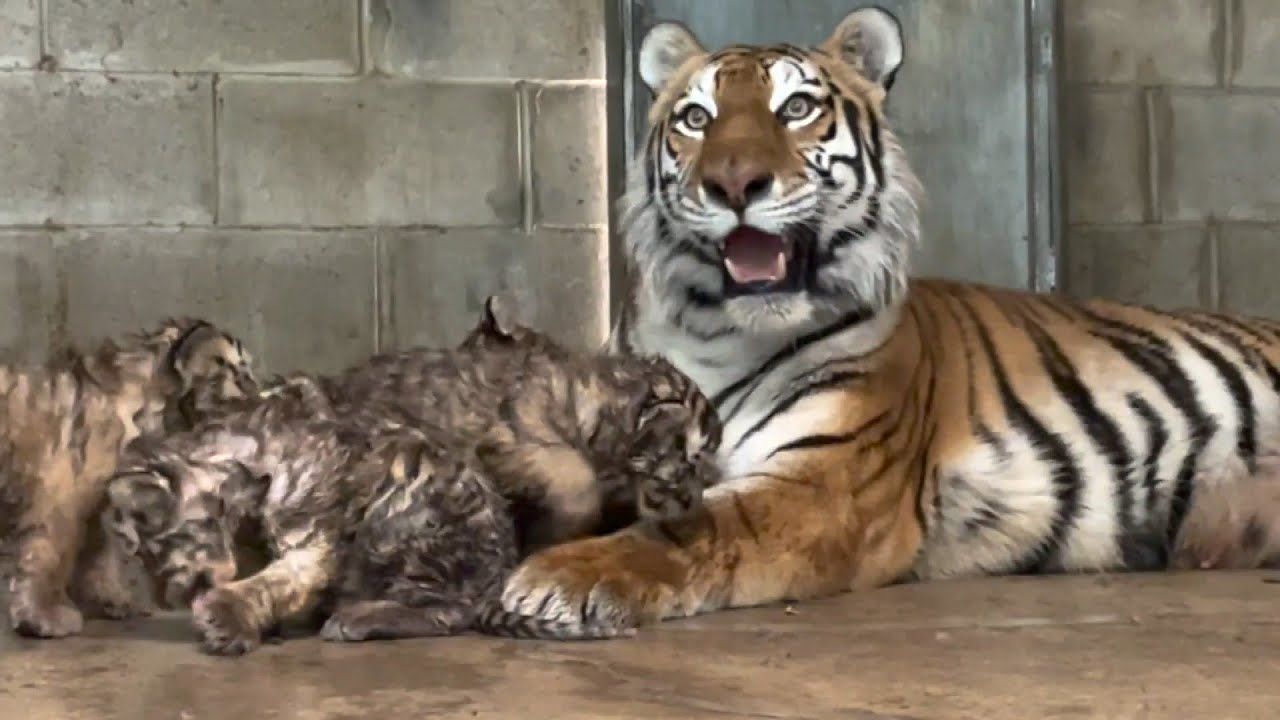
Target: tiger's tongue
{"x": 752, "y": 256}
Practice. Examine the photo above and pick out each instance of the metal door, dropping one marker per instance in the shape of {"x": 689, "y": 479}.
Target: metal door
{"x": 974, "y": 105}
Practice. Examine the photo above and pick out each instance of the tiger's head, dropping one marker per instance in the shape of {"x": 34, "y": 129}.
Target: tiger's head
{"x": 771, "y": 195}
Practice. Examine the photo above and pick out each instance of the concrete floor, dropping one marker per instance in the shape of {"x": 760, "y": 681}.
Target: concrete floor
{"x": 1156, "y": 646}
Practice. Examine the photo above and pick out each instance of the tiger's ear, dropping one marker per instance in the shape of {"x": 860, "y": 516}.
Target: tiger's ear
{"x": 664, "y": 49}
{"x": 869, "y": 39}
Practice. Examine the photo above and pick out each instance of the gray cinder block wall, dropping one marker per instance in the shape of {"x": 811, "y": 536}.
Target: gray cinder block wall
{"x": 326, "y": 177}
{"x": 1171, "y": 147}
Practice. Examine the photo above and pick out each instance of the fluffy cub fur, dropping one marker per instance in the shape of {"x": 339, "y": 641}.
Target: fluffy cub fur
{"x": 63, "y": 425}
{"x": 391, "y": 492}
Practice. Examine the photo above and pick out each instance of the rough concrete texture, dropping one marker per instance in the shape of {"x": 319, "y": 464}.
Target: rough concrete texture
{"x": 1180, "y": 647}
{"x": 82, "y": 149}
{"x": 488, "y": 39}
{"x": 393, "y": 152}
{"x": 1155, "y": 265}
{"x": 569, "y": 154}
{"x": 1117, "y": 41}
{"x": 240, "y": 159}
{"x": 1209, "y": 161}
{"x": 295, "y": 36}
{"x": 553, "y": 275}
{"x": 1169, "y": 109}
{"x": 19, "y": 33}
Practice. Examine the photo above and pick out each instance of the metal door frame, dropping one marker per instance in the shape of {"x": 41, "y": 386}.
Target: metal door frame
{"x": 1044, "y": 207}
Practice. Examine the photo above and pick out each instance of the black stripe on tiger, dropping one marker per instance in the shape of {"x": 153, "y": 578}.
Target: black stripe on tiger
{"x": 1142, "y": 549}
{"x": 1102, "y": 429}
{"x": 1242, "y": 399}
{"x": 1154, "y": 356}
{"x": 1050, "y": 449}
{"x": 757, "y": 376}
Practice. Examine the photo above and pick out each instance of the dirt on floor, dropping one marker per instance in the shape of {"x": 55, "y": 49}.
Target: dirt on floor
{"x": 1185, "y": 646}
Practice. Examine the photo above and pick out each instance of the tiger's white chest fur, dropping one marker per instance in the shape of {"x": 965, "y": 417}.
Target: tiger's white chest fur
{"x": 763, "y": 411}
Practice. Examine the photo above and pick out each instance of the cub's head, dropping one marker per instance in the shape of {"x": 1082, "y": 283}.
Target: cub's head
{"x": 200, "y": 356}
{"x": 771, "y": 195}
{"x": 181, "y": 522}
{"x": 674, "y": 437}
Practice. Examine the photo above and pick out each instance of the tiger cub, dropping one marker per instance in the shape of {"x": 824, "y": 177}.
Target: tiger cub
{"x": 63, "y": 425}
{"x": 400, "y": 521}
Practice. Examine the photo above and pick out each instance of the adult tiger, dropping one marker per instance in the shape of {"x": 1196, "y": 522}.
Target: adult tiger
{"x": 880, "y": 429}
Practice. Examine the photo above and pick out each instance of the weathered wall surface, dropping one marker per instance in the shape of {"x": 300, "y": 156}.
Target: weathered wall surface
{"x": 326, "y": 177}
{"x": 1172, "y": 150}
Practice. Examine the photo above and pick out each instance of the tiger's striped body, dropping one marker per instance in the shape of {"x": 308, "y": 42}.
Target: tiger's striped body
{"x": 877, "y": 428}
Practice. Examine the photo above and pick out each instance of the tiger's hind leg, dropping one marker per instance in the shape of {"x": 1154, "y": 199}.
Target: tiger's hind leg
{"x": 390, "y": 620}
{"x": 1233, "y": 520}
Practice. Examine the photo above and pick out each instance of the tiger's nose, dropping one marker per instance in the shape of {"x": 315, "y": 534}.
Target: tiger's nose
{"x": 736, "y": 184}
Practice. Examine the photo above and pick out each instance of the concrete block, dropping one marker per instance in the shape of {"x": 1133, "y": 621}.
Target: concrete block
{"x": 570, "y": 155}
{"x": 1143, "y": 264}
{"x": 1247, "y": 269}
{"x": 28, "y": 295}
{"x": 346, "y": 152}
{"x": 1150, "y": 42}
{"x": 1214, "y": 156}
{"x": 19, "y": 34}
{"x": 1103, "y": 152}
{"x": 296, "y": 36}
{"x": 488, "y": 39}
{"x": 1256, "y": 60}
{"x": 435, "y": 282}
{"x": 88, "y": 149}
{"x": 300, "y": 300}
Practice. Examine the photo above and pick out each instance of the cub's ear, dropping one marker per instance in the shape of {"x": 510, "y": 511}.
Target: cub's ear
{"x": 498, "y": 317}
{"x": 869, "y": 39}
{"x": 663, "y": 51}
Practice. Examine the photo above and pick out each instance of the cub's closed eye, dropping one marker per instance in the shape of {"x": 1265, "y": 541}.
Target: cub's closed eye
{"x": 797, "y": 107}
{"x": 695, "y": 117}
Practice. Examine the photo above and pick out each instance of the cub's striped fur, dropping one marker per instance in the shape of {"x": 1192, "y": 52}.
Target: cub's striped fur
{"x": 63, "y": 425}
{"x": 396, "y": 489}
{"x": 878, "y": 428}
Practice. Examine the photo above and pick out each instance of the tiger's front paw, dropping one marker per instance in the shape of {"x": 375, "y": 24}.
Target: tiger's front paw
{"x": 225, "y": 622}
{"x": 618, "y": 581}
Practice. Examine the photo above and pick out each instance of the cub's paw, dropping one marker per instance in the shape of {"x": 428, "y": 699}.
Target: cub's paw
{"x": 658, "y": 499}
{"x": 344, "y": 626}
{"x": 31, "y": 617}
{"x": 225, "y": 623}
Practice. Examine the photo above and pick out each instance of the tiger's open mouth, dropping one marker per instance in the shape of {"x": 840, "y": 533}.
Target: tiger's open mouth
{"x": 757, "y": 262}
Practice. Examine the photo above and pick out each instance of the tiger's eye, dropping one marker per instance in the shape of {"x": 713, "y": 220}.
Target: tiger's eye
{"x": 696, "y": 117}
{"x": 797, "y": 107}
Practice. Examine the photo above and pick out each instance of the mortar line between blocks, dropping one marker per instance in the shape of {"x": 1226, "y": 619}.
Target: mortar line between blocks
{"x": 525, "y": 105}
{"x": 1226, "y": 47}
{"x": 217, "y": 154}
{"x": 1151, "y": 144}
{"x": 1213, "y": 250}
{"x": 42, "y": 17}
{"x": 364, "y": 19}
{"x": 379, "y": 314}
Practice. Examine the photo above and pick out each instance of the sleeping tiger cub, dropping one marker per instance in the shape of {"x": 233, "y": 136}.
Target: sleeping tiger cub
{"x": 63, "y": 425}
{"x": 402, "y": 507}
{"x": 880, "y": 428}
